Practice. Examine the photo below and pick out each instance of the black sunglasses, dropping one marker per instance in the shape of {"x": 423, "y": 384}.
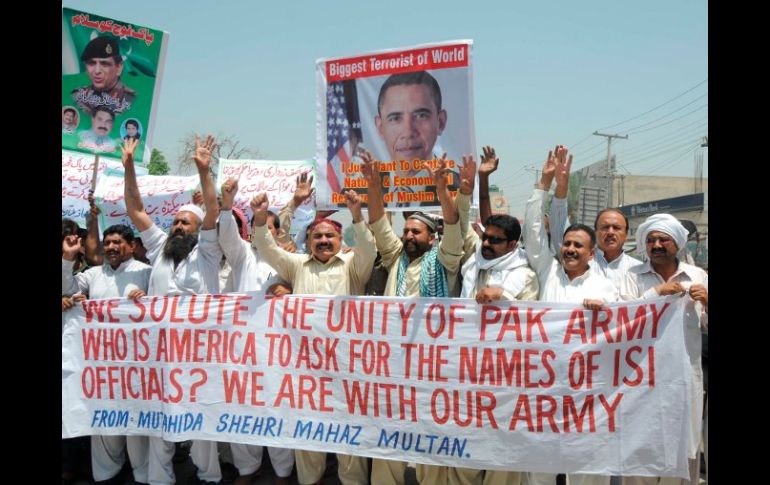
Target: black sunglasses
{"x": 493, "y": 239}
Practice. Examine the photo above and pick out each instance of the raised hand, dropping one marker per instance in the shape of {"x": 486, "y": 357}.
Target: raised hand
{"x": 488, "y": 161}
{"x": 304, "y": 189}
{"x": 562, "y": 166}
{"x": 203, "y": 151}
{"x": 70, "y": 247}
{"x": 438, "y": 175}
{"x": 549, "y": 169}
{"x": 197, "y": 198}
{"x": 353, "y": 201}
{"x": 127, "y": 149}
{"x": 229, "y": 189}
{"x": 370, "y": 169}
{"x": 467, "y": 175}
{"x": 94, "y": 211}
{"x": 260, "y": 203}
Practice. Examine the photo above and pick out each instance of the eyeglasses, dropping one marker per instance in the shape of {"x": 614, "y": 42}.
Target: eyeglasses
{"x": 660, "y": 239}
{"x": 493, "y": 239}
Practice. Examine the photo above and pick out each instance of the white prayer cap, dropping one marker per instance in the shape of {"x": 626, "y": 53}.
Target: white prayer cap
{"x": 194, "y": 209}
{"x": 665, "y": 223}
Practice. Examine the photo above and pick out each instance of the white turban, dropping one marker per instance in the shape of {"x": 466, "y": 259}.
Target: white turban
{"x": 665, "y": 223}
{"x": 192, "y": 208}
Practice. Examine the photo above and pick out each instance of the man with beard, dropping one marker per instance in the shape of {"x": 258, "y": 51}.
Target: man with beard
{"x": 568, "y": 279}
{"x": 250, "y": 273}
{"x": 120, "y": 276}
{"x": 186, "y": 261}
{"x": 325, "y": 271}
{"x": 664, "y": 274}
{"x": 418, "y": 268}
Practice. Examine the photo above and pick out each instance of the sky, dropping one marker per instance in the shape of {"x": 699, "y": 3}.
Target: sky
{"x": 544, "y": 73}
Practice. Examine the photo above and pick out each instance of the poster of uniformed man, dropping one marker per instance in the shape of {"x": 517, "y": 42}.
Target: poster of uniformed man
{"x": 111, "y": 73}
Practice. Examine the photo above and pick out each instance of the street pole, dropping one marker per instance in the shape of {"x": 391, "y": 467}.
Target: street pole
{"x": 610, "y": 168}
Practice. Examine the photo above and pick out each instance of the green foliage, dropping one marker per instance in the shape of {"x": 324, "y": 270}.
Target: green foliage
{"x": 158, "y": 164}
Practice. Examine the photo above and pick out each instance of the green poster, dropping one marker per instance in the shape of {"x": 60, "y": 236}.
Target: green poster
{"x": 111, "y": 73}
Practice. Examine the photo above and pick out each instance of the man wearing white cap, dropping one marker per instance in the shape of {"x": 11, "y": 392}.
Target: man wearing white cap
{"x": 417, "y": 267}
{"x": 185, "y": 261}
{"x": 663, "y": 236}
{"x": 568, "y": 279}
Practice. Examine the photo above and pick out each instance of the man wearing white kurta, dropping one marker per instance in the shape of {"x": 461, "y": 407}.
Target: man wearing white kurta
{"x": 568, "y": 280}
{"x": 662, "y": 236}
{"x": 186, "y": 261}
{"x": 120, "y": 276}
{"x": 611, "y": 228}
{"x": 498, "y": 270}
{"x": 249, "y": 273}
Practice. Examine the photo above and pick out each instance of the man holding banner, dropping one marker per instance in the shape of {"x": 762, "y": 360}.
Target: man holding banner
{"x": 326, "y": 271}
{"x": 186, "y": 261}
{"x": 121, "y": 276}
{"x": 250, "y": 273}
{"x": 663, "y": 274}
{"x": 416, "y": 268}
{"x": 569, "y": 279}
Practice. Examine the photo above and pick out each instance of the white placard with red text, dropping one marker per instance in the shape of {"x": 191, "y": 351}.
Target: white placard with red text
{"x": 527, "y": 386}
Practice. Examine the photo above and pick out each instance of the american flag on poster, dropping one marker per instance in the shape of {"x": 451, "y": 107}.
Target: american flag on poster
{"x": 337, "y": 135}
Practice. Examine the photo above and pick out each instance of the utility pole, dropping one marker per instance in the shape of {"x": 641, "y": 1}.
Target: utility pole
{"x": 610, "y": 168}
{"x": 533, "y": 168}
{"x": 699, "y": 166}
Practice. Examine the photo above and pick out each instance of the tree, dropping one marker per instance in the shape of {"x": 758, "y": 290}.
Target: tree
{"x": 227, "y": 147}
{"x": 158, "y": 164}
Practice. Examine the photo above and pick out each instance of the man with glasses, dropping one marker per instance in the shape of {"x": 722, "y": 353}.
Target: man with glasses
{"x": 662, "y": 236}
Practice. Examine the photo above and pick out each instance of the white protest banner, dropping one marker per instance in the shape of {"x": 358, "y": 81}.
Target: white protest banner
{"x": 277, "y": 178}
{"x": 406, "y": 106}
{"x": 162, "y": 196}
{"x": 76, "y": 178}
{"x": 527, "y": 386}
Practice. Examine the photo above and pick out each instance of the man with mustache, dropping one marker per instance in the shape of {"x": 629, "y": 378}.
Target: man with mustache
{"x": 568, "y": 279}
{"x": 662, "y": 236}
{"x": 611, "y": 227}
{"x": 325, "y": 271}
{"x": 418, "y": 268}
{"x": 186, "y": 261}
{"x": 104, "y": 65}
{"x": 120, "y": 276}
{"x": 98, "y": 137}
{"x": 250, "y": 273}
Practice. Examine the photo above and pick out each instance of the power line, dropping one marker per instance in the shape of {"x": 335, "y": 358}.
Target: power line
{"x": 671, "y": 121}
{"x": 659, "y": 106}
{"x": 631, "y": 130}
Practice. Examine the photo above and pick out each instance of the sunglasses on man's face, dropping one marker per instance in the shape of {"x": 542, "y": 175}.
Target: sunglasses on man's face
{"x": 493, "y": 239}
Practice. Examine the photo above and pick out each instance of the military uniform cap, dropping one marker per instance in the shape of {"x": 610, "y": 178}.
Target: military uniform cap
{"x": 101, "y": 47}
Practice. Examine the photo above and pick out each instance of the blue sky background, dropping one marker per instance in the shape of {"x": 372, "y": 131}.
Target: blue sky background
{"x": 544, "y": 73}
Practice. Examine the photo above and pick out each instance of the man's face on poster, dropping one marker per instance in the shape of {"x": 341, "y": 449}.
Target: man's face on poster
{"x": 68, "y": 117}
{"x": 102, "y": 123}
{"x": 130, "y": 130}
{"x": 409, "y": 122}
{"x": 103, "y": 72}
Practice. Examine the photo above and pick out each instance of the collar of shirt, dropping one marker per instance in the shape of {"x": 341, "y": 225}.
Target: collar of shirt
{"x": 120, "y": 268}
{"x": 681, "y": 268}
{"x": 577, "y": 280}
